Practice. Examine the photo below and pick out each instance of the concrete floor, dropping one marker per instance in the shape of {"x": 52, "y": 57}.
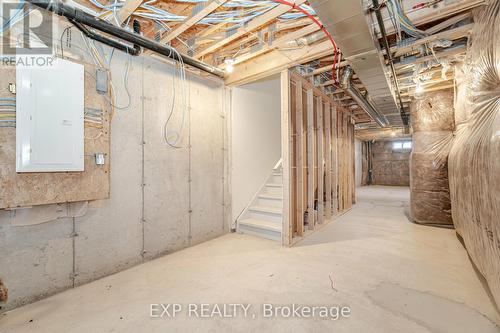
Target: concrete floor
{"x": 395, "y": 277}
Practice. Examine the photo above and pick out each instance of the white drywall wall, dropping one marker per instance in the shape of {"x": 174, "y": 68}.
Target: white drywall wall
{"x": 255, "y": 138}
{"x": 357, "y": 162}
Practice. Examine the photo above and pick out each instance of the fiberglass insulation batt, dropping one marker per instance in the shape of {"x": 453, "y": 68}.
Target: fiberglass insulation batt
{"x": 474, "y": 159}
{"x": 433, "y": 124}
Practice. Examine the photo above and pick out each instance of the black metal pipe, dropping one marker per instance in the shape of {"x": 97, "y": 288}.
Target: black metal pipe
{"x": 135, "y": 50}
{"x": 376, "y": 7}
{"x": 77, "y": 15}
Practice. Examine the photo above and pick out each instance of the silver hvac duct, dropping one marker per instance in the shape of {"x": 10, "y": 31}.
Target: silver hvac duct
{"x": 307, "y": 40}
{"x": 357, "y": 96}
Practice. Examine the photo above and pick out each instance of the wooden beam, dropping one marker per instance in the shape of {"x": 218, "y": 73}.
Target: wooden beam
{"x": 341, "y": 160}
{"x": 278, "y": 43}
{"x": 445, "y": 24}
{"x": 335, "y": 167}
{"x": 439, "y": 13}
{"x": 299, "y": 121}
{"x": 409, "y": 75}
{"x": 252, "y": 25}
{"x": 310, "y": 158}
{"x": 275, "y": 61}
{"x": 193, "y": 19}
{"x": 279, "y": 27}
{"x": 352, "y": 187}
{"x": 327, "y": 68}
{"x": 328, "y": 160}
{"x": 210, "y": 30}
{"x": 451, "y": 34}
{"x": 286, "y": 137}
{"x": 319, "y": 156}
{"x": 128, "y": 8}
{"x": 291, "y": 24}
{"x": 446, "y": 53}
{"x": 446, "y": 86}
{"x": 427, "y": 83}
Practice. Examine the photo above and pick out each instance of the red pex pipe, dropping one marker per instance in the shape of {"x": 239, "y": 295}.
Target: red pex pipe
{"x": 321, "y": 27}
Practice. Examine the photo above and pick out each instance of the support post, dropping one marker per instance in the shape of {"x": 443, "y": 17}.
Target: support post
{"x": 310, "y": 158}
{"x": 286, "y": 138}
{"x": 328, "y": 160}
{"x": 299, "y": 158}
{"x": 320, "y": 161}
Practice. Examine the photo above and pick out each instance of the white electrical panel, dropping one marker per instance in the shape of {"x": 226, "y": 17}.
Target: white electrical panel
{"x": 50, "y": 116}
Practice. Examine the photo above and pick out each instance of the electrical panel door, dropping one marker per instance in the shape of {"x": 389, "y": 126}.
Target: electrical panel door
{"x": 50, "y": 117}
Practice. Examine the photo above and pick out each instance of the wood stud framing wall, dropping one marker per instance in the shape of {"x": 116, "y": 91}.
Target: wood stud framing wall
{"x": 318, "y": 157}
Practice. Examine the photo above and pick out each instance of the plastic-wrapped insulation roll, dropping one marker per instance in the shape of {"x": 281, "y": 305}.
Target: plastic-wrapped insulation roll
{"x": 474, "y": 160}
{"x": 433, "y": 125}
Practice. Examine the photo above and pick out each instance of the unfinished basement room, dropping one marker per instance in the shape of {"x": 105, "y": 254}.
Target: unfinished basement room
{"x": 250, "y": 166}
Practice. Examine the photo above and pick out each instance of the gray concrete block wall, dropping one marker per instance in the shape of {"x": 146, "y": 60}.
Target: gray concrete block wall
{"x": 39, "y": 260}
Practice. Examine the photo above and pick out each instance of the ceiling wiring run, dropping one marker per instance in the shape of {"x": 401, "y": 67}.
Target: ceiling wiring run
{"x": 396, "y": 12}
{"x": 320, "y": 25}
{"x": 241, "y": 11}
{"x": 174, "y": 137}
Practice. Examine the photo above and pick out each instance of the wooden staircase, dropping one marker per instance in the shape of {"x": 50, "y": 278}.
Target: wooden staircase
{"x": 263, "y": 217}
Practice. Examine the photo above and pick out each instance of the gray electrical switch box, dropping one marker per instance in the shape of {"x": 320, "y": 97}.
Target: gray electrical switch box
{"x": 102, "y": 81}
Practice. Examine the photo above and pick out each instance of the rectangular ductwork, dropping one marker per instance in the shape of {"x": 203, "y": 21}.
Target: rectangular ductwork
{"x": 347, "y": 22}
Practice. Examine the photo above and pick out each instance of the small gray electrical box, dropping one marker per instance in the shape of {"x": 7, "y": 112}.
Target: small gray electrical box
{"x": 100, "y": 158}
{"x": 102, "y": 81}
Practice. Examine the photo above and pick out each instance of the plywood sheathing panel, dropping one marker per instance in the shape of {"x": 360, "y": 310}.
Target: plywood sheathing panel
{"x": 29, "y": 189}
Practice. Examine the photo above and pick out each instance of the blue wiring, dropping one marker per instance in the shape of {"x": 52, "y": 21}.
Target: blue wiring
{"x": 11, "y": 21}
{"x": 237, "y": 18}
{"x": 407, "y": 26}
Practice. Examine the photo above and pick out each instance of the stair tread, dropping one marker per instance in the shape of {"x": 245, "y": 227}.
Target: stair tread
{"x": 267, "y": 209}
{"x": 274, "y": 185}
{"x": 271, "y": 196}
{"x": 261, "y": 224}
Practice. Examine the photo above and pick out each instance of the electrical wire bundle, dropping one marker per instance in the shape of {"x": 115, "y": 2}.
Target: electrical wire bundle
{"x": 174, "y": 137}
{"x": 7, "y": 112}
{"x": 237, "y": 18}
{"x": 94, "y": 119}
{"x": 402, "y": 21}
{"x": 18, "y": 16}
